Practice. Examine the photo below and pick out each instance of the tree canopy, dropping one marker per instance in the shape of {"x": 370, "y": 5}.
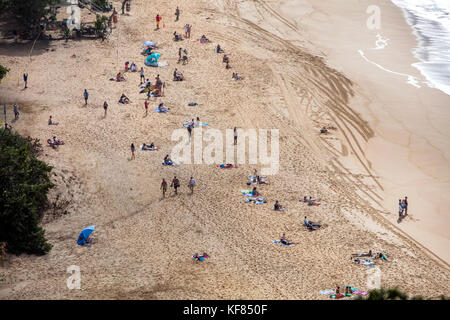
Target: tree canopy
{"x": 27, "y": 11}
{"x": 24, "y": 184}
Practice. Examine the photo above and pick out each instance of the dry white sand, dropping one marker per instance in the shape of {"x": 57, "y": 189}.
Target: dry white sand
{"x": 144, "y": 243}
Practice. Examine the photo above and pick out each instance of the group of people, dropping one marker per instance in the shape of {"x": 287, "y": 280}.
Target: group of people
{"x": 175, "y": 185}
{"x": 402, "y": 207}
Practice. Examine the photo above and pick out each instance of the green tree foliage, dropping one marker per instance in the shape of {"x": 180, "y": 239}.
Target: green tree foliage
{"x": 100, "y": 22}
{"x": 3, "y": 71}
{"x": 27, "y": 11}
{"x": 101, "y": 3}
{"x": 24, "y": 184}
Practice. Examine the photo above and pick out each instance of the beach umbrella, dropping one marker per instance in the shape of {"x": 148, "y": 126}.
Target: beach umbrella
{"x": 85, "y": 234}
{"x": 148, "y": 44}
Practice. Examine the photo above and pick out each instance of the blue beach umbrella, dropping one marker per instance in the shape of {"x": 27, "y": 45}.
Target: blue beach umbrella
{"x": 85, "y": 234}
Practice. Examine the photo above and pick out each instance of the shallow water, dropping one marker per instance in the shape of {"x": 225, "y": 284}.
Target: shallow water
{"x": 430, "y": 20}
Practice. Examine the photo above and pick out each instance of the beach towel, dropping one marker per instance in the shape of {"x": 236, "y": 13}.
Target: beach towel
{"x": 195, "y": 125}
{"x": 161, "y": 111}
{"x": 360, "y": 293}
{"x": 282, "y": 244}
{"x": 223, "y": 166}
{"x": 328, "y": 291}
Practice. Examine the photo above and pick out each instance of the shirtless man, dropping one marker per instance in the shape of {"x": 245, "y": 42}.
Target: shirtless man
{"x": 164, "y": 187}
{"x": 175, "y": 184}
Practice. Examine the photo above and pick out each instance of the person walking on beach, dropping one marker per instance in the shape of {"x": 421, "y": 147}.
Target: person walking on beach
{"x": 146, "y": 107}
{"x": 163, "y": 187}
{"x": 86, "y": 96}
{"x": 16, "y": 112}
{"x": 189, "y": 129}
{"x": 105, "y": 106}
{"x": 158, "y": 19}
{"x": 406, "y": 205}
{"x": 400, "y": 208}
{"x": 177, "y": 14}
{"x": 25, "y": 79}
{"x": 175, "y": 184}
{"x": 142, "y": 75}
{"x": 132, "y": 151}
{"x": 235, "y": 136}
{"x": 191, "y": 185}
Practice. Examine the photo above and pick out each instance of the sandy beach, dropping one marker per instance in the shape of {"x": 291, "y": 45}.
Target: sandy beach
{"x": 306, "y": 64}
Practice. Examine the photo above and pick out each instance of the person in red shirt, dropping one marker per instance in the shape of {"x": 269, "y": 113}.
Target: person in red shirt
{"x": 158, "y": 19}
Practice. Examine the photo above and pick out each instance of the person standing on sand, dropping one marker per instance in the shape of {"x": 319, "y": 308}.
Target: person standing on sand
{"x": 400, "y": 208}
{"x": 177, "y": 14}
{"x": 146, "y": 107}
{"x": 191, "y": 185}
{"x": 163, "y": 187}
{"x": 132, "y": 151}
{"x": 175, "y": 184}
{"x": 86, "y": 96}
{"x": 235, "y": 136}
{"x": 158, "y": 19}
{"x": 406, "y": 205}
{"x": 16, "y": 111}
{"x": 25, "y": 79}
{"x": 105, "y": 106}
{"x": 142, "y": 75}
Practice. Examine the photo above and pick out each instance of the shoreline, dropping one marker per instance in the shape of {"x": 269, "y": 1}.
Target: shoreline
{"x": 145, "y": 242}
{"x": 414, "y": 161}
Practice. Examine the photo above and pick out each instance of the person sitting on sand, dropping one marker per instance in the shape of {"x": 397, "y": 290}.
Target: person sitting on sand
{"x": 126, "y": 66}
{"x": 324, "y": 130}
{"x": 177, "y": 36}
{"x": 120, "y": 77}
{"x": 255, "y": 192}
{"x": 147, "y": 51}
{"x": 198, "y": 257}
{"x": 277, "y": 206}
{"x": 167, "y": 160}
{"x": 161, "y": 107}
{"x": 219, "y": 49}
{"x": 177, "y": 75}
{"x": 50, "y": 121}
{"x": 150, "y": 146}
{"x": 225, "y": 59}
{"x": 203, "y": 39}
{"x": 133, "y": 67}
{"x": 236, "y": 76}
{"x": 124, "y": 99}
{"x": 310, "y": 225}
{"x": 227, "y": 66}
{"x": 57, "y": 141}
{"x": 284, "y": 241}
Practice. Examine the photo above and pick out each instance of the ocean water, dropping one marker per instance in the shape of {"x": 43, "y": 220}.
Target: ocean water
{"x": 430, "y": 21}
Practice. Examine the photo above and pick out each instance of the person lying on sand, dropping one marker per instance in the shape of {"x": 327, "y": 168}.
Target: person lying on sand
{"x": 177, "y": 75}
{"x": 310, "y": 201}
{"x": 124, "y": 99}
{"x": 381, "y": 256}
{"x": 203, "y": 39}
{"x": 198, "y": 257}
{"x": 150, "y": 146}
{"x": 50, "y": 122}
{"x": 311, "y": 225}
